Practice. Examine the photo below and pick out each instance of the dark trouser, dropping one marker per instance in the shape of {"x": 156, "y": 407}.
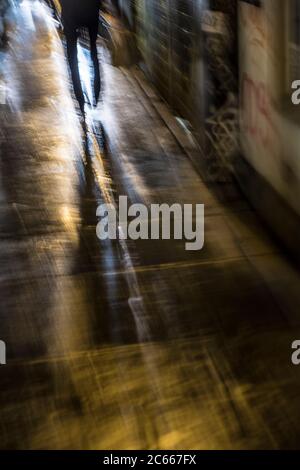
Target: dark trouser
{"x": 72, "y": 39}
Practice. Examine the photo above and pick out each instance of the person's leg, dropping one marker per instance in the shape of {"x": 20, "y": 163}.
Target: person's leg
{"x": 72, "y": 52}
{"x": 93, "y": 32}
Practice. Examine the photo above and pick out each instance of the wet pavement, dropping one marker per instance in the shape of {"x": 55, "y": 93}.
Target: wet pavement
{"x": 140, "y": 344}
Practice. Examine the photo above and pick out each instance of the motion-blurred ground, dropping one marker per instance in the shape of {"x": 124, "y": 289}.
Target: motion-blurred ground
{"x": 141, "y": 345}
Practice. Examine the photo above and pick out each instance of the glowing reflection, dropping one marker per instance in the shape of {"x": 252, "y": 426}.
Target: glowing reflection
{"x": 85, "y": 73}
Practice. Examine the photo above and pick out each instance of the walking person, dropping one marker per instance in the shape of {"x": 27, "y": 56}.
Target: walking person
{"x": 77, "y": 14}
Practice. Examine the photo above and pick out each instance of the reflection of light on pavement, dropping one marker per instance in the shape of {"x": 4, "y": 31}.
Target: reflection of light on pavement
{"x": 51, "y": 121}
{"x": 26, "y": 7}
{"x": 85, "y": 73}
{"x": 69, "y": 220}
{"x": 3, "y": 92}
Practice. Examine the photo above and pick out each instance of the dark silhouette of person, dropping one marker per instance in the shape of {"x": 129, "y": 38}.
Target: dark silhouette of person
{"x": 78, "y": 14}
